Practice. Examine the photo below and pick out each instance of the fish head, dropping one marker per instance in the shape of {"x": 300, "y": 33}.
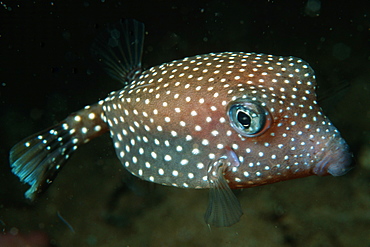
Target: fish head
{"x": 275, "y": 130}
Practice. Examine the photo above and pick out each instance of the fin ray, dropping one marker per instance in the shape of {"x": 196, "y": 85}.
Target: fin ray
{"x": 120, "y": 48}
{"x": 224, "y": 208}
{"x": 37, "y": 159}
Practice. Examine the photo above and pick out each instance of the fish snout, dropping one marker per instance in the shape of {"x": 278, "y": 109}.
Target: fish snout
{"x": 337, "y": 160}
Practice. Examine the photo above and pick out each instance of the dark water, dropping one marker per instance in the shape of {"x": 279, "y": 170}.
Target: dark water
{"x": 46, "y": 72}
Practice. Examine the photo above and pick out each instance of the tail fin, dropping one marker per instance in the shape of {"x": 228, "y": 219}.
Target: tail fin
{"x": 37, "y": 159}
{"x": 120, "y": 48}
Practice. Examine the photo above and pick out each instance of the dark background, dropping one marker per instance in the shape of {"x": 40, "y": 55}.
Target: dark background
{"x": 47, "y": 72}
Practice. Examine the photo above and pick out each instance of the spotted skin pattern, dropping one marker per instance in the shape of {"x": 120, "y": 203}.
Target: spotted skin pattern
{"x": 172, "y": 122}
{"x": 220, "y": 121}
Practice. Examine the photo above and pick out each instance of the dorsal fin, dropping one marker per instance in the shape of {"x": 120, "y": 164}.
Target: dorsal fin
{"x": 120, "y": 47}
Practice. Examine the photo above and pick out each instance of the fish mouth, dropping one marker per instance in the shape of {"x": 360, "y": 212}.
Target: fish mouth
{"x": 336, "y": 162}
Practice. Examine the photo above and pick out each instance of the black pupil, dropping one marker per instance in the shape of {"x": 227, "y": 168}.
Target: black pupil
{"x": 244, "y": 119}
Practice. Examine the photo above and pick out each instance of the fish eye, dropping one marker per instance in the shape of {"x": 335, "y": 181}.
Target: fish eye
{"x": 248, "y": 118}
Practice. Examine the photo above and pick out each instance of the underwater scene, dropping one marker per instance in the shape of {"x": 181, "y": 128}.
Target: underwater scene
{"x": 168, "y": 116}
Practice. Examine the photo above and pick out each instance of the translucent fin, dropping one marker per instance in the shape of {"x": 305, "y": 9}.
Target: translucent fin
{"x": 224, "y": 208}
{"x": 37, "y": 159}
{"x": 120, "y": 48}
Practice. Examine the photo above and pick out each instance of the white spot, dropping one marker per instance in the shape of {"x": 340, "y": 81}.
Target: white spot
{"x": 173, "y": 133}
{"x": 84, "y": 130}
{"x": 184, "y": 162}
{"x": 154, "y": 155}
{"x": 167, "y": 157}
{"x": 200, "y": 165}
{"x": 160, "y": 171}
{"x": 134, "y": 159}
{"x": 77, "y": 118}
{"x": 214, "y": 133}
{"x": 91, "y": 115}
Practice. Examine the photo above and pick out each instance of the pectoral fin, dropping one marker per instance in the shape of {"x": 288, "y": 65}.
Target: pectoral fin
{"x": 224, "y": 208}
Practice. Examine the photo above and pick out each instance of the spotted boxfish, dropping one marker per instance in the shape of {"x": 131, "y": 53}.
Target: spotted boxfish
{"x": 218, "y": 121}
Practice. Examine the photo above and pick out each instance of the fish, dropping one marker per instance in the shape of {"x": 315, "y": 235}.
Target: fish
{"x": 217, "y": 121}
